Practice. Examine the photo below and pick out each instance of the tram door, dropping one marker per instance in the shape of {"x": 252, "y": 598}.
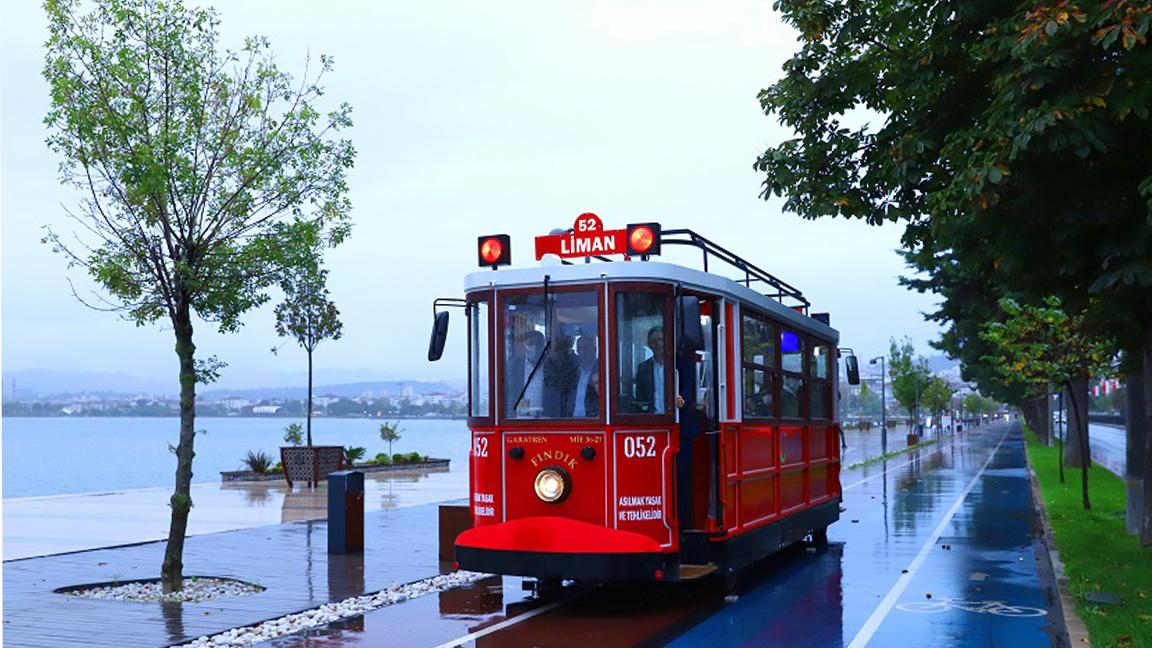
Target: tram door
{"x": 702, "y": 430}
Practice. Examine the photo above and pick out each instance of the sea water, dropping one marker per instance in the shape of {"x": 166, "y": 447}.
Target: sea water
{"x": 67, "y": 455}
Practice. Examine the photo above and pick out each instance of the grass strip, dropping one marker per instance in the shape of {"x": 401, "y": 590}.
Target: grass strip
{"x": 888, "y": 455}
{"x": 1098, "y": 555}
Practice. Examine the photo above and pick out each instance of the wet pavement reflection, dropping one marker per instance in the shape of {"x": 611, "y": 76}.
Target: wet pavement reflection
{"x": 939, "y": 547}
{"x": 39, "y": 526}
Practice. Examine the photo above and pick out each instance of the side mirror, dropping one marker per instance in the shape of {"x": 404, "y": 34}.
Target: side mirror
{"x": 691, "y": 334}
{"x": 439, "y": 336}
{"x": 852, "y": 368}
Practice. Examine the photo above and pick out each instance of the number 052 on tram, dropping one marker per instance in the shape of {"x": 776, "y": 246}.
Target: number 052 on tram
{"x": 640, "y": 420}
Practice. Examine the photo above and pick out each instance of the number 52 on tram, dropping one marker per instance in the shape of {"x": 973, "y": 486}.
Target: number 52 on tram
{"x": 639, "y": 420}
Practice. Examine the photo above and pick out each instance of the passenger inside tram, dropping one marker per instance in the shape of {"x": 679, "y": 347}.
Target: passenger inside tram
{"x": 524, "y": 352}
{"x": 586, "y": 401}
{"x": 542, "y": 370}
{"x": 561, "y": 371}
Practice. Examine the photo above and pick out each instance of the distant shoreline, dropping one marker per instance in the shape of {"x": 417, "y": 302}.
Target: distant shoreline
{"x": 240, "y": 416}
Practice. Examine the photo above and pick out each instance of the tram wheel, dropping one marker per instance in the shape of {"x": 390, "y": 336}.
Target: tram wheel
{"x": 820, "y": 537}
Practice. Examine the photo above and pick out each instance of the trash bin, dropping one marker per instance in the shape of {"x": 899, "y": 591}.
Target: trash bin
{"x": 345, "y": 512}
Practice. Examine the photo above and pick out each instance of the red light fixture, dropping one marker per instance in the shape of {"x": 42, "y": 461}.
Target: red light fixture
{"x": 643, "y": 239}
{"x": 494, "y": 250}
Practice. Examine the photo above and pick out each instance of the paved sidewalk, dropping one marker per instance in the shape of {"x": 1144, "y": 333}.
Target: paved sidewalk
{"x": 39, "y": 526}
{"x": 290, "y": 560}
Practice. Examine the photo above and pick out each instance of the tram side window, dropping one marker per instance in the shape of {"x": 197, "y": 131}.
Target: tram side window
{"x": 792, "y": 362}
{"x": 478, "y": 363}
{"x": 643, "y": 354}
{"x": 818, "y": 386}
{"x": 542, "y": 378}
{"x": 760, "y": 376}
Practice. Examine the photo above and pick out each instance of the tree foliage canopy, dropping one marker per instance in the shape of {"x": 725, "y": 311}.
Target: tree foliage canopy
{"x": 1011, "y": 139}
{"x": 1044, "y": 345}
{"x": 307, "y": 315}
{"x": 199, "y": 166}
{"x": 909, "y": 374}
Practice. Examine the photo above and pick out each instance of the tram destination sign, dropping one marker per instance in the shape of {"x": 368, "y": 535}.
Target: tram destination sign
{"x": 587, "y": 238}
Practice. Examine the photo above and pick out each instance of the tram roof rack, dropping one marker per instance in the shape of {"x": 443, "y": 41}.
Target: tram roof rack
{"x": 752, "y": 272}
{"x": 781, "y": 290}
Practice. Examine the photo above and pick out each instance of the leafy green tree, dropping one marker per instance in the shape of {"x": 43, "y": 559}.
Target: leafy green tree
{"x": 978, "y": 404}
{"x": 201, "y": 168}
{"x": 307, "y": 315}
{"x": 868, "y": 401}
{"x": 294, "y": 434}
{"x": 938, "y": 398}
{"x": 910, "y": 377}
{"x": 390, "y": 432}
{"x": 1045, "y": 345}
{"x": 1009, "y": 138}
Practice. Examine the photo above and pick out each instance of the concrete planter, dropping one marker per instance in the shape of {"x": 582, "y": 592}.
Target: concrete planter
{"x": 432, "y": 464}
{"x": 310, "y": 464}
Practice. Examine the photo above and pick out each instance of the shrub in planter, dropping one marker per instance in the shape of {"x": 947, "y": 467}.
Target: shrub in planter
{"x": 399, "y": 457}
{"x": 414, "y": 457}
{"x": 258, "y": 462}
{"x": 382, "y": 458}
{"x": 354, "y": 454}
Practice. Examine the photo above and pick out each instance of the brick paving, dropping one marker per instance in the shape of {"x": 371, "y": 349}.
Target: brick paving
{"x": 290, "y": 560}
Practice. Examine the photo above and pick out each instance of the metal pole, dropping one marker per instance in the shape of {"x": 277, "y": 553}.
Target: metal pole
{"x": 883, "y": 410}
{"x": 916, "y": 421}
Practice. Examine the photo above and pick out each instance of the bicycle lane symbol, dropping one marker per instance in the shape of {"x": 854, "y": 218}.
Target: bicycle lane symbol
{"x": 997, "y": 608}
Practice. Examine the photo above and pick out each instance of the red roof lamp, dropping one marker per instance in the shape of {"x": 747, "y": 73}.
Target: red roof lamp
{"x": 494, "y": 250}
{"x": 643, "y": 239}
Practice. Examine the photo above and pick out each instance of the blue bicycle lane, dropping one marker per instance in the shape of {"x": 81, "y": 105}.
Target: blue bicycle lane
{"x": 938, "y": 548}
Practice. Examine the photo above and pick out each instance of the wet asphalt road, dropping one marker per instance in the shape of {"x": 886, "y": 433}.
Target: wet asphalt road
{"x": 936, "y": 548}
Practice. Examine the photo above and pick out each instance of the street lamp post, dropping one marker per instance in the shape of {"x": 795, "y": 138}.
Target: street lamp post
{"x": 916, "y": 423}
{"x": 883, "y": 406}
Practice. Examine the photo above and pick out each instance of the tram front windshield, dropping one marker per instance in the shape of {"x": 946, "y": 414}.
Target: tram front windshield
{"x": 551, "y": 355}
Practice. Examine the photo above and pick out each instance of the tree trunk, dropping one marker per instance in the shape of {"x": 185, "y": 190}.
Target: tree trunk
{"x": 1135, "y": 467}
{"x": 309, "y": 412}
{"x": 1077, "y": 454}
{"x": 1078, "y": 388}
{"x": 172, "y": 570}
{"x": 1146, "y": 530}
{"x": 1043, "y": 418}
{"x": 1028, "y": 410}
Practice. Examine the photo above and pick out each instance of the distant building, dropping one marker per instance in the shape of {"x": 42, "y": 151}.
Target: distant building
{"x": 235, "y": 403}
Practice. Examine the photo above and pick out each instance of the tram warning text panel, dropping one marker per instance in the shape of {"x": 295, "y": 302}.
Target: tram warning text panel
{"x": 641, "y": 466}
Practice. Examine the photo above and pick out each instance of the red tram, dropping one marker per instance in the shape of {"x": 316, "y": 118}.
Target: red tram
{"x": 642, "y": 420}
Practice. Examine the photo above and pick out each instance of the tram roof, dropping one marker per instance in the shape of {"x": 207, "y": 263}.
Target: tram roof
{"x": 645, "y": 271}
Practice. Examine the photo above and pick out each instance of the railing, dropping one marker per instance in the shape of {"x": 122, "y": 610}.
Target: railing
{"x": 752, "y": 273}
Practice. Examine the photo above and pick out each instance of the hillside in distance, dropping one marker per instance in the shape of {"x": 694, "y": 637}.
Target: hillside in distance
{"x": 33, "y": 384}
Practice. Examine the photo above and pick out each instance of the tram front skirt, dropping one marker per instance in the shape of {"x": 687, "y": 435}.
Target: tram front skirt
{"x": 556, "y": 547}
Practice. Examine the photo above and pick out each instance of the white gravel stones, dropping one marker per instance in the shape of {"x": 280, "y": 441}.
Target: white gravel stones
{"x": 330, "y": 612}
{"x": 195, "y": 590}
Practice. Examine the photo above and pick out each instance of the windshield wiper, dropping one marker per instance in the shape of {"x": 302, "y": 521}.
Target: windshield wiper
{"x": 544, "y": 351}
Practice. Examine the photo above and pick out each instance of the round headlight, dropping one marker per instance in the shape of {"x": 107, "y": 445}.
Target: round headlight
{"x": 551, "y": 485}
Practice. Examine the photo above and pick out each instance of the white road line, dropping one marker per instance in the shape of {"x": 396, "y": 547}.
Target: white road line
{"x": 459, "y": 641}
{"x": 877, "y": 476}
{"x": 878, "y": 615}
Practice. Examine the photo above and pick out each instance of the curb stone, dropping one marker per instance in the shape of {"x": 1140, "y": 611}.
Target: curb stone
{"x": 1074, "y": 626}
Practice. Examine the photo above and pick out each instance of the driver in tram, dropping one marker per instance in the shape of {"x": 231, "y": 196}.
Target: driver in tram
{"x": 523, "y": 357}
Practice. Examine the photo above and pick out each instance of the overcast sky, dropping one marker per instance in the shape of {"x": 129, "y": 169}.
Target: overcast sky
{"x": 471, "y": 118}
